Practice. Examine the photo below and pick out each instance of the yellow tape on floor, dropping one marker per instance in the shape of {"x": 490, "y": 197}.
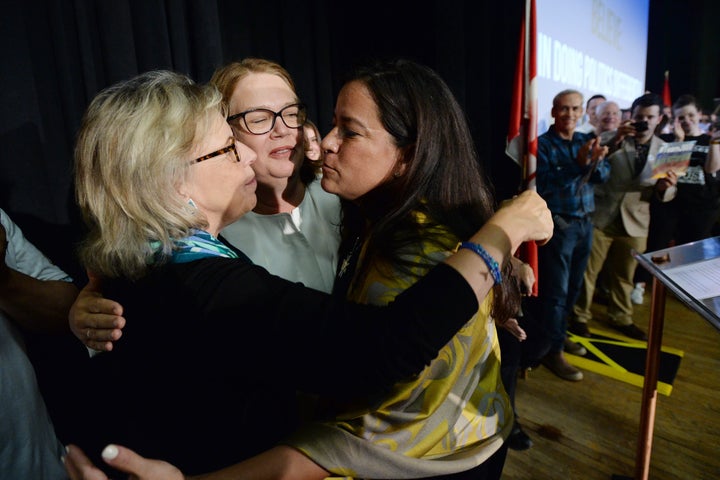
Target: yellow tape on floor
{"x": 598, "y": 359}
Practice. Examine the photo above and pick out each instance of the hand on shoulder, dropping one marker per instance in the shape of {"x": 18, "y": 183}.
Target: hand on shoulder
{"x": 95, "y": 320}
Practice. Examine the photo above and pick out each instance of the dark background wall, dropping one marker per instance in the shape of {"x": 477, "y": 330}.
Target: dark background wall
{"x": 57, "y": 54}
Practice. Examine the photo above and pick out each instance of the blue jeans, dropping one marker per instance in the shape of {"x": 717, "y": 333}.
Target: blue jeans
{"x": 561, "y": 265}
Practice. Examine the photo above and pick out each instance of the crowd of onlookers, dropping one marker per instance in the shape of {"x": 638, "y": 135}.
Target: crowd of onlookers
{"x": 609, "y": 205}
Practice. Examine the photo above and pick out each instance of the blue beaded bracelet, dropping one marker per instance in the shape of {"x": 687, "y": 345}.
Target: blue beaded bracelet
{"x": 487, "y": 258}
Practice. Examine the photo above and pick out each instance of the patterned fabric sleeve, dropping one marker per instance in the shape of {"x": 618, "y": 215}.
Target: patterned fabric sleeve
{"x": 449, "y": 418}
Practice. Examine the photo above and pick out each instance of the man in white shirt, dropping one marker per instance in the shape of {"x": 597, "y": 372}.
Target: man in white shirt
{"x": 591, "y": 119}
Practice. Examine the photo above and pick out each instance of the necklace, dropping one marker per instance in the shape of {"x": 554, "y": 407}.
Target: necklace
{"x": 347, "y": 260}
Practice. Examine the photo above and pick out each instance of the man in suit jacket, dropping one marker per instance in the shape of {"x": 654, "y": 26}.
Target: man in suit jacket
{"x": 622, "y": 217}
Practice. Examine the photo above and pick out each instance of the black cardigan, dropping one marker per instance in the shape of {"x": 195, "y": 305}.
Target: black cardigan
{"x": 214, "y": 350}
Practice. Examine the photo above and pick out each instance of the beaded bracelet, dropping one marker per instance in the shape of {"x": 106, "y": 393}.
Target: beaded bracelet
{"x": 487, "y": 258}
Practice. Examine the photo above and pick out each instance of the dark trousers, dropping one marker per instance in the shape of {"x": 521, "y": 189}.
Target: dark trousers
{"x": 562, "y": 264}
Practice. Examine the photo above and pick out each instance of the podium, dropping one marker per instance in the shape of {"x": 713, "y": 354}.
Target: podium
{"x": 692, "y": 273}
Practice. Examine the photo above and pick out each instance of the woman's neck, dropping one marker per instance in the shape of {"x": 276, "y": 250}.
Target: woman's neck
{"x": 272, "y": 199}
{"x": 213, "y": 229}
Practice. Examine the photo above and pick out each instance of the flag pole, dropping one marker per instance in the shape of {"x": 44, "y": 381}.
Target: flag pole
{"x": 522, "y": 131}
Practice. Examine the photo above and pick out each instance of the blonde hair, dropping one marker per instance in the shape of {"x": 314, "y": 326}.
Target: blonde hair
{"x": 134, "y": 149}
{"x": 226, "y": 78}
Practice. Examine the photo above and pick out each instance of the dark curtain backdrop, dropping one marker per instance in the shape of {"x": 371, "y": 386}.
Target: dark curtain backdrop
{"x": 57, "y": 54}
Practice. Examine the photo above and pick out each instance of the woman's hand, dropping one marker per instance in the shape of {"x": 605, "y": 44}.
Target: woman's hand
{"x": 512, "y": 326}
{"x": 95, "y": 320}
{"x": 79, "y": 466}
{"x": 524, "y": 218}
{"x": 524, "y": 274}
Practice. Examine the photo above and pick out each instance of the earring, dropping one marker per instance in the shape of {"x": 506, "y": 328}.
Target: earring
{"x": 397, "y": 174}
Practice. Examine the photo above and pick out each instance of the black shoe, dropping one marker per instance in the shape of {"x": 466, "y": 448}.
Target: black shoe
{"x": 574, "y": 348}
{"x": 631, "y": 331}
{"x": 579, "y": 328}
{"x": 518, "y": 439}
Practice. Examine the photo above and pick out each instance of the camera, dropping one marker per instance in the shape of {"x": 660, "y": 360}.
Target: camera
{"x": 640, "y": 126}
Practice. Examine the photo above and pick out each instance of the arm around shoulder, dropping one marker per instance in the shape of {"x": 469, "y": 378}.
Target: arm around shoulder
{"x": 35, "y": 305}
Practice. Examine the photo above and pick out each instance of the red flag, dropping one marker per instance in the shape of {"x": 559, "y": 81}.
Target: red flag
{"x": 667, "y": 101}
{"x": 522, "y": 131}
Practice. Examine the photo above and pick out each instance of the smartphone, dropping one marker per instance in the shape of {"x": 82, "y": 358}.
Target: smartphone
{"x": 640, "y": 126}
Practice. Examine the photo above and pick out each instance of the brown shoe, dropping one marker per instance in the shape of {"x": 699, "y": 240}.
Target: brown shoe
{"x": 557, "y": 364}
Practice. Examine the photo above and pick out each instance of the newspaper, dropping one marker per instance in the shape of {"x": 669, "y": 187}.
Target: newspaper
{"x": 673, "y": 156}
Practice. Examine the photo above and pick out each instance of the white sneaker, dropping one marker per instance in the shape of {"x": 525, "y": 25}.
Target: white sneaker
{"x": 637, "y": 294}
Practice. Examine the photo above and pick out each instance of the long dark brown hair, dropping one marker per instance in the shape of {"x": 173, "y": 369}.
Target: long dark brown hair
{"x": 443, "y": 178}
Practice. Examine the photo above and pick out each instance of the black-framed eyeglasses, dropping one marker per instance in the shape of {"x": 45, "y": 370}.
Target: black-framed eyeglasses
{"x": 261, "y": 120}
{"x": 232, "y": 147}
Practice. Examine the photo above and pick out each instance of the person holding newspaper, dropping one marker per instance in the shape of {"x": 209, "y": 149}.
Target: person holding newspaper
{"x": 696, "y": 208}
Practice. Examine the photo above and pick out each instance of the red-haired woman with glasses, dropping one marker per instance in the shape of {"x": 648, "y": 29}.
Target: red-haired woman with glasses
{"x": 293, "y": 230}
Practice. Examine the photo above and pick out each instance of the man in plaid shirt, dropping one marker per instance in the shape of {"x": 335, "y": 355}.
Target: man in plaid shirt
{"x": 569, "y": 163}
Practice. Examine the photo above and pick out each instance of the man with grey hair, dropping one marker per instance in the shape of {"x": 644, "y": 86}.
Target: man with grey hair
{"x": 608, "y": 121}
{"x": 568, "y": 165}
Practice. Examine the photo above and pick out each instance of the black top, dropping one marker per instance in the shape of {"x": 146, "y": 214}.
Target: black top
{"x": 697, "y": 189}
{"x": 213, "y": 351}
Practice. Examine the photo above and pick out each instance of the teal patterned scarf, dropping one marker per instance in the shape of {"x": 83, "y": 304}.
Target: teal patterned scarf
{"x": 200, "y": 244}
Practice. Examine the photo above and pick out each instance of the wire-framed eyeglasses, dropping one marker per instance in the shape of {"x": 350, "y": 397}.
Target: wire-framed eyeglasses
{"x": 259, "y": 121}
{"x": 232, "y": 147}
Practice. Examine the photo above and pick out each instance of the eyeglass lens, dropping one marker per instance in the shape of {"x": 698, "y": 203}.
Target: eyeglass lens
{"x": 261, "y": 120}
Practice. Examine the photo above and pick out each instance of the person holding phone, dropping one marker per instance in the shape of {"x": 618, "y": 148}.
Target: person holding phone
{"x": 622, "y": 217}
{"x": 691, "y": 215}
